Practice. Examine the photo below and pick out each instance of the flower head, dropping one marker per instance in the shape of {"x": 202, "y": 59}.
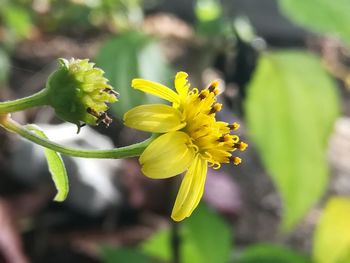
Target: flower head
{"x": 191, "y": 138}
{"x": 78, "y": 92}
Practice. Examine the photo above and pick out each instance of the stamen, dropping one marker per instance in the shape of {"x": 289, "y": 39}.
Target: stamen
{"x": 203, "y": 94}
{"x": 234, "y": 126}
{"x": 225, "y": 138}
{"x": 111, "y": 92}
{"x": 217, "y": 107}
{"x": 107, "y": 120}
{"x": 213, "y": 87}
{"x": 241, "y": 146}
{"x": 104, "y": 118}
{"x": 236, "y": 160}
{"x": 221, "y": 139}
{"x": 101, "y": 117}
{"x": 92, "y": 112}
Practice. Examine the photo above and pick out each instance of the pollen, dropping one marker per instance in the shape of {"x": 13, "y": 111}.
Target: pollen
{"x": 236, "y": 160}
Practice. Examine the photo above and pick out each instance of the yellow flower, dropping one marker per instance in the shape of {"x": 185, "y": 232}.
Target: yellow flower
{"x": 192, "y": 139}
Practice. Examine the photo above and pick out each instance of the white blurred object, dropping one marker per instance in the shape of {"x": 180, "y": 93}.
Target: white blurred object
{"x": 339, "y": 149}
{"x": 92, "y": 181}
{"x": 339, "y": 156}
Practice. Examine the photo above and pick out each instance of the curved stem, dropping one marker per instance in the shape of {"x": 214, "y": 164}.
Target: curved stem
{"x": 37, "y": 99}
{"x": 122, "y": 152}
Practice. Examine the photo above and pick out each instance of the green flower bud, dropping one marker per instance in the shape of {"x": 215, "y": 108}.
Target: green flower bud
{"x": 79, "y": 92}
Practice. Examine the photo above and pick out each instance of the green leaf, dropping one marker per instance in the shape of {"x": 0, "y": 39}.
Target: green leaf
{"x": 205, "y": 237}
{"x": 56, "y": 167}
{"x": 291, "y": 107}
{"x": 114, "y": 255}
{"x": 323, "y": 16}
{"x": 17, "y": 19}
{"x": 159, "y": 245}
{"x": 332, "y": 235}
{"x": 267, "y": 253}
{"x": 127, "y": 56}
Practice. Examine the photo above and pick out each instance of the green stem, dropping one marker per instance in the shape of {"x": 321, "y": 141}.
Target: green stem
{"x": 175, "y": 242}
{"x": 37, "y": 99}
{"x": 122, "y": 152}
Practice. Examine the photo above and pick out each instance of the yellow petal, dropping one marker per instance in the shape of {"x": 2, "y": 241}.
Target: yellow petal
{"x": 167, "y": 156}
{"x": 156, "y": 89}
{"x": 181, "y": 84}
{"x": 191, "y": 190}
{"x": 157, "y": 118}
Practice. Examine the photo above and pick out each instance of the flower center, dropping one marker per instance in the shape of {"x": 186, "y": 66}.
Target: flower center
{"x": 213, "y": 138}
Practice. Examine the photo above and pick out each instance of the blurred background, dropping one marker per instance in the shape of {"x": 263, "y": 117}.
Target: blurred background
{"x": 284, "y": 73}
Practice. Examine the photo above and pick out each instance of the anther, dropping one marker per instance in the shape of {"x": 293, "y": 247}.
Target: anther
{"x": 236, "y": 160}
{"x": 104, "y": 118}
{"x": 203, "y": 94}
{"x": 213, "y": 87}
{"x": 225, "y": 138}
{"x": 217, "y": 107}
{"x": 107, "y": 120}
{"x": 92, "y": 112}
{"x": 111, "y": 92}
{"x": 101, "y": 117}
{"x": 241, "y": 146}
{"x": 234, "y": 126}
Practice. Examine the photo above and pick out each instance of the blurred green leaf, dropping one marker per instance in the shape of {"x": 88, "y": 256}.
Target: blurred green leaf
{"x": 217, "y": 28}
{"x": 266, "y": 253}
{"x": 208, "y": 10}
{"x": 114, "y": 255}
{"x": 4, "y": 66}
{"x": 17, "y": 19}
{"x": 76, "y": 16}
{"x": 244, "y": 29}
{"x": 332, "y": 235}
{"x": 205, "y": 237}
{"x": 323, "y": 16}
{"x": 132, "y": 55}
{"x": 56, "y": 168}
{"x": 291, "y": 108}
{"x": 159, "y": 245}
